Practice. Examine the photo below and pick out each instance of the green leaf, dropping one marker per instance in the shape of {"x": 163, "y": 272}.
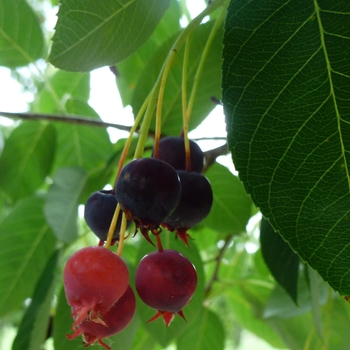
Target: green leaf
{"x": 91, "y": 35}
{"x": 209, "y": 81}
{"x": 281, "y": 306}
{"x": 130, "y": 70}
{"x": 280, "y": 259}
{"x": 206, "y": 334}
{"x": 286, "y": 97}
{"x": 21, "y": 38}
{"x": 27, "y": 158}
{"x": 231, "y": 208}
{"x": 86, "y": 146}
{"x": 248, "y": 316}
{"x": 33, "y": 329}
{"x": 60, "y": 87}
{"x": 62, "y": 199}
{"x": 61, "y": 326}
{"x": 26, "y": 243}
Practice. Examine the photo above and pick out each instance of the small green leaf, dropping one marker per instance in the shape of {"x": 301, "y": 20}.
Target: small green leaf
{"x": 21, "y": 38}
{"x": 62, "y": 199}
{"x": 280, "y": 259}
{"x": 209, "y": 80}
{"x": 26, "y": 243}
{"x": 206, "y": 334}
{"x": 130, "y": 69}
{"x": 27, "y": 158}
{"x": 231, "y": 208}
{"x": 33, "y": 329}
{"x": 86, "y": 146}
{"x": 60, "y": 87}
{"x": 91, "y": 34}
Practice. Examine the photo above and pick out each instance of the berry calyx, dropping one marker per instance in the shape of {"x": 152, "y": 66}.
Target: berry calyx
{"x": 195, "y": 204}
{"x": 148, "y": 190}
{"x": 114, "y": 321}
{"x": 166, "y": 280}
{"x": 98, "y": 214}
{"x": 94, "y": 280}
{"x": 172, "y": 151}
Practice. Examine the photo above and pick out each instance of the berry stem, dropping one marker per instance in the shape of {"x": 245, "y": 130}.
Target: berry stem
{"x": 129, "y": 139}
{"x": 122, "y": 235}
{"x": 159, "y": 243}
{"x": 155, "y": 91}
{"x": 112, "y": 226}
{"x": 204, "y": 56}
{"x": 160, "y": 102}
{"x": 184, "y": 105}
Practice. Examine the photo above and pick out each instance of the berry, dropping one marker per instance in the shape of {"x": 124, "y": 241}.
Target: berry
{"x": 166, "y": 280}
{"x": 172, "y": 151}
{"x": 148, "y": 190}
{"x": 94, "y": 279}
{"x": 195, "y": 203}
{"x": 98, "y": 214}
{"x": 113, "y": 322}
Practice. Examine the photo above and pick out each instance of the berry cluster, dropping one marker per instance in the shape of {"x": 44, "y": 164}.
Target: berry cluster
{"x": 151, "y": 192}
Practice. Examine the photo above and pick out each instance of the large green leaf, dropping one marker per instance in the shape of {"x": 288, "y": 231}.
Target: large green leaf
{"x": 27, "y": 158}
{"x": 26, "y": 243}
{"x": 231, "y": 208}
{"x": 33, "y": 329}
{"x": 286, "y": 95}
{"x": 209, "y": 80}
{"x": 91, "y": 34}
{"x": 21, "y": 38}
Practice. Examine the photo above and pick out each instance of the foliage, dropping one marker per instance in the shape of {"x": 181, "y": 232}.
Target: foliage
{"x": 281, "y": 70}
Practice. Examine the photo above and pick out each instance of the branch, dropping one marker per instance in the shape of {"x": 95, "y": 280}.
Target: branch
{"x": 217, "y": 259}
{"x": 211, "y": 155}
{"x": 73, "y": 119}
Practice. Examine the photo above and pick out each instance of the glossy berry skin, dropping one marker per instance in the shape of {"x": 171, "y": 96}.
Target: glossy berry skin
{"x": 195, "y": 203}
{"x": 172, "y": 151}
{"x": 112, "y": 322}
{"x": 99, "y": 211}
{"x": 148, "y": 190}
{"x": 166, "y": 280}
{"x": 94, "y": 280}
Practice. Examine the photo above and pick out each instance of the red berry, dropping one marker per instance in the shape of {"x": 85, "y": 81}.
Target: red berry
{"x": 94, "y": 279}
{"x": 113, "y": 321}
{"x": 166, "y": 280}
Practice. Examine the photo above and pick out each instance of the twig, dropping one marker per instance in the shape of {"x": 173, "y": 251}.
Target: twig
{"x": 73, "y": 119}
{"x": 211, "y": 155}
{"x": 217, "y": 259}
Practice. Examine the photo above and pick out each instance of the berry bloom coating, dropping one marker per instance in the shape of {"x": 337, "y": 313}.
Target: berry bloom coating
{"x": 94, "y": 280}
{"x": 172, "y": 151}
{"x": 98, "y": 214}
{"x": 112, "y": 322}
{"x": 195, "y": 203}
{"x": 148, "y": 190}
{"x": 166, "y": 280}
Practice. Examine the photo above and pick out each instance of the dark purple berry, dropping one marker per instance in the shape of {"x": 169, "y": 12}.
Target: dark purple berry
{"x": 99, "y": 211}
{"x": 195, "y": 203}
{"x": 172, "y": 151}
{"x": 148, "y": 190}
